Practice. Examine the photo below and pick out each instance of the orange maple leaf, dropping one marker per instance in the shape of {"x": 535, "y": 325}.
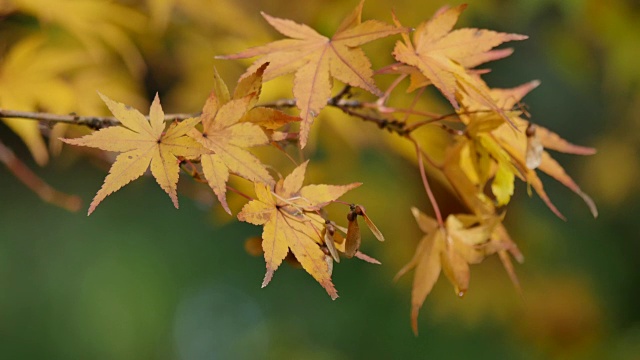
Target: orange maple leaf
{"x": 444, "y": 56}
{"x": 316, "y": 59}
{"x": 290, "y": 221}
{"x": 142, "y": 143}
{"x": 229, "y": 126}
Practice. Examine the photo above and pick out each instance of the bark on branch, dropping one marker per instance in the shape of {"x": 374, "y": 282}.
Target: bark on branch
{"x": 94, "y": 122}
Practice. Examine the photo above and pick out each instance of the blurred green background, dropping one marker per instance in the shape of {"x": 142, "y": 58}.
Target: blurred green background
{"x": 141, "y": 280}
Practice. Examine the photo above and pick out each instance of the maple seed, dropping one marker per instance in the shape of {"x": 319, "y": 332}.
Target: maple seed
{"x": 351, "y": 216}
{"x": 328, "y": 236}
{"x": 534, "y": 148}
{"x": 353, "y": 239}
{"x": 359, "y": 210}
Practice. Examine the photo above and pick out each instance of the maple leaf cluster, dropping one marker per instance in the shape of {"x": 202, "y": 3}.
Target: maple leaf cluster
{"x": 491, "y": 143}
{"x": 218, "y": 139}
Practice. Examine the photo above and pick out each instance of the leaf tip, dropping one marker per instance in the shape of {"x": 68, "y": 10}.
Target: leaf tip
{"x": 303, "y": 142}
{"x": 103, "y": 97}
{"x": 367, "y": 258}
{"x": 415, "y": 309}
{"x": 267, "y": 278}
{"x": 517, "y": 37}
{"x": 329, "y": 288}
{"x": 353, "y": 185}
{"x": 415, "y": 211}
{"x": 590, "y": 203}
{"x": 173, "y": 196}
{"x": 266, "y": 16}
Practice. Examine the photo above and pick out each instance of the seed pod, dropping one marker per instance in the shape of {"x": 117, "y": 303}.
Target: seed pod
{"x": 328, "y": 236}
{"x": 353, "y": 239}
{"x": 533, "y": 153}
{"x": 329, "y": 262}
{"x": 359, "y": 210}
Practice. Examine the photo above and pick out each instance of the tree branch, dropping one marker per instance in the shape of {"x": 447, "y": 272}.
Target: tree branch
{"x": 35, "y": 183}
{"x": 93, "y": 122}
{"x": 356, "y": 108}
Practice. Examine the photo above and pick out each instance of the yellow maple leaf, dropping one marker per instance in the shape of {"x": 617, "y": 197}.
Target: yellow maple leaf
{"x": 459, "y": 173}
{"x": 481, "y": 158}
{"x": 143, "y": 144}
{"x": 290, "y": 221}
{"x": 444, "y": 56}
{"x": 462, "y": 240}
{"x": 517, "y": 145}
{"x": 230, "y": 125}
{"x": 316, "y": 59}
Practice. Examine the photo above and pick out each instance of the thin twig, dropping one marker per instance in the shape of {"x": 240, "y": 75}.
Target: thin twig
{"x": 425, "y": 182}
{"x": 340, "y": 95}
{"x": 418, "y": 124}
{"x": 426, "y": 156}
{"x": 280, "y": 104}
{"x": 281, "y": 149}
{"x": 414, "y": 102}
{"x": 35, "y": 183}
{"x": 383, "y": 123}
{"x": 240, "y": 193}
{"x": 383, "y": 99}
{"x": 192, "y": 171}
